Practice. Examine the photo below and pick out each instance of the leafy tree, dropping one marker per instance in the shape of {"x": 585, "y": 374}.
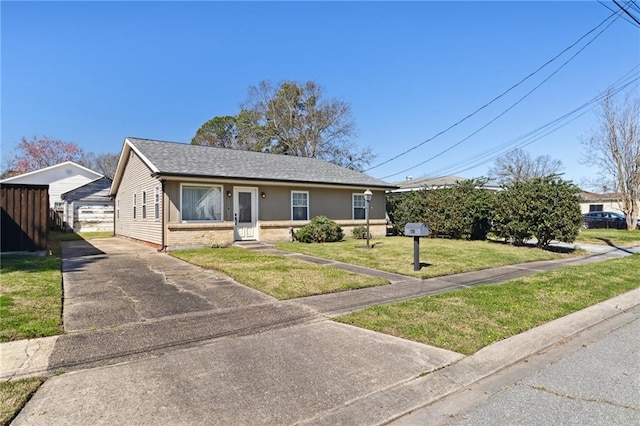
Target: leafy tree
{"x": 290, "y": 118}
{"x": 234, "y": 132}
{"x": 462, "y": 211}
{"x": 614, "y": 147}
{"x": 39, "y": 152}
{"x": 547, "y": 208}
{"x": 519, "y": 166}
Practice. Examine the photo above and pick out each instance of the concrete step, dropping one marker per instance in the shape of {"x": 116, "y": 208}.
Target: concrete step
{"x": 253, "y": 245}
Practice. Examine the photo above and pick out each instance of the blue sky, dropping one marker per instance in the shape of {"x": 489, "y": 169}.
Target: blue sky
{"x": 96, "y": 72}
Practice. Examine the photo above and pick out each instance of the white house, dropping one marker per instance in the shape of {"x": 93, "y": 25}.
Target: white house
{"x": 61, "y": 178}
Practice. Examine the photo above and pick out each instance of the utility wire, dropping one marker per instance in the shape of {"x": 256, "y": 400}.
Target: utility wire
{"x": 623, "y": 17}
{"x": 506, "y": 110}
{"x": 496, "y": 98}
{"x": 541, "y": 131}
{"x": 627, "y": 12}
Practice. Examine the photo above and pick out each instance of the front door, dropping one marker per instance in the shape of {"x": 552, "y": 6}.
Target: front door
{"x": 245, "y": 213}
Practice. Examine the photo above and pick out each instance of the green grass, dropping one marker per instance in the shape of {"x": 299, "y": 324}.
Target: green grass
{"x": 278, "y": 276}
{"x": 14, "y": 395}
{"x": 31, "y": 301}
{"x": 442, "y": 256}
{"x": 467, "y": 320}
{"x": 616, "y": 237}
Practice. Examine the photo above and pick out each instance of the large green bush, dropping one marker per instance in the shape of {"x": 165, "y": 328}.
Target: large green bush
{"x": 545, "y": 208}
{"x": 462, "y": 211}
{"x": 320, "y": 230}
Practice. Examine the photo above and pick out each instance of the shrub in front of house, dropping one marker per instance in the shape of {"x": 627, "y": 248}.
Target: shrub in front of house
{"x": 360, "y": 232}
{"x": 320, "y": 230}
{"x": 545, "y": 208}
{"x": 462, "y": 211}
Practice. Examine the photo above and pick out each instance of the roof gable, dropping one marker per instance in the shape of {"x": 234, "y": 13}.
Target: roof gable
{"x": 179, "y": 159}
{"x": 53, "y": 173}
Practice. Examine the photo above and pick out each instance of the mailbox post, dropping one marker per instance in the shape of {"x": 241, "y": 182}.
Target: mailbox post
{"x": 416, "y": 230}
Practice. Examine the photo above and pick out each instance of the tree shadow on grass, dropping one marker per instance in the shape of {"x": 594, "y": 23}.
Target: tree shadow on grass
{"x": 611, "y": 244}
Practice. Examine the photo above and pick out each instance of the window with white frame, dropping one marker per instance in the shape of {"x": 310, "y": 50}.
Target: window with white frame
{"x": 144, "y": 204}
{"x": 359, "y": 206}
{"x": 201, "y": 203}
{"x": 299, "y": 205}
{"x": 156, "y": 204}
{"x": 135, "y": 205}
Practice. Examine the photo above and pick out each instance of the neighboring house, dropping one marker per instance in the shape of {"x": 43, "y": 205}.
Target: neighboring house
{"x": 411, "y": 184}
{"x": 594, "y": 202}
{"x": 61, "y": 178}
{"x": 173, "y": 195}
{"x": 89, "y": 208}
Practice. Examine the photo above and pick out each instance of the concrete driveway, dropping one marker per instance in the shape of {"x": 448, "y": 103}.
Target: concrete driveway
{"x": 111, "y": 282}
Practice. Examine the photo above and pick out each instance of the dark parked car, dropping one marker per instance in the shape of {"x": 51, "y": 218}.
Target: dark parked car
{"x": 605, "y": 220}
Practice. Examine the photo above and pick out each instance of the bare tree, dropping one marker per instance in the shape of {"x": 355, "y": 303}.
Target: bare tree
{"x": 614, "y": 147}
{"x": 518, "y": 166}
{"x": 39, "y": 152}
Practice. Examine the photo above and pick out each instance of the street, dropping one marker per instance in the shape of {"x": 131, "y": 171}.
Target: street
{"x": 593, "y": 379}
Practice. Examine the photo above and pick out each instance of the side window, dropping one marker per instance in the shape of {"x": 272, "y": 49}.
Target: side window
{"x": 299, "y": 205}
{"x": 135, "y": 205}
{"x": 156, "y": 204}
{"x": 144, "y": 204}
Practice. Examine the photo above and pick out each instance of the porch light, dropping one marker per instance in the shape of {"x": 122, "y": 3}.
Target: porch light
{"x": 263, "y": 194}
{"x": 228, "y": 193}
{"x": 367, "y": 199}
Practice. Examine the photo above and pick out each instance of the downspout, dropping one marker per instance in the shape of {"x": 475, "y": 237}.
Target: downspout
{"x": 165, "y": 211}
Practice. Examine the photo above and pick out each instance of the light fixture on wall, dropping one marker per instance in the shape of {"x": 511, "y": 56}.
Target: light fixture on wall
{"x": 228, "y": 193}
{"x": 263, "y": 194}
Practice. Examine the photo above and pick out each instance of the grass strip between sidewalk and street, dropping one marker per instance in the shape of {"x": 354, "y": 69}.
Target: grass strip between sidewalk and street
{"x": 467, "y": 320}
{"x": 279, "y": 276}
{"x": 439, "y": 256}
{"x": 612, "y": 237}
{"x": 14, "y": 395}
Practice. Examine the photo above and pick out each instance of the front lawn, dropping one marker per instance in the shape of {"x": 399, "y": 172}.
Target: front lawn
{"x": 467, "y": 320}
{"x": 441, "y": 256}
{"x": 615, "y": 237}
{"x": 278, "y": 276}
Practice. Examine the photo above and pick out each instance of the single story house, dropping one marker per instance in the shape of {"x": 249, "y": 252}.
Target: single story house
{"x": 89, "y": 208}
{"x": 437, "y": 182}
{"x": 175, "y": 195}
{"x": 595, "y": 202}
{"x": 61, "y": 178}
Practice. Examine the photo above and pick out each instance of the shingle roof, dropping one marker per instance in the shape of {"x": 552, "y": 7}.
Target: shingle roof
{"x": 171, "y": 158}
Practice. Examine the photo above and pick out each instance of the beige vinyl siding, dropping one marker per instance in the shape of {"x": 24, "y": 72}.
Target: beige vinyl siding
{"x": 137, "y": 178}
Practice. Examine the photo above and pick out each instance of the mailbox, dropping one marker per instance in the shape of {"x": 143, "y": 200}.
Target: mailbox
{"x": 416, "y": 230}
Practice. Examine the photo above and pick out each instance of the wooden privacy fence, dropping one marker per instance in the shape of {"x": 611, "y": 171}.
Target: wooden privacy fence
{"x": 25, "y": 215}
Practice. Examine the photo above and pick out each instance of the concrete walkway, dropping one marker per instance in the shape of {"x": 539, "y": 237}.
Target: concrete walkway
{"x": 231, "y": 359}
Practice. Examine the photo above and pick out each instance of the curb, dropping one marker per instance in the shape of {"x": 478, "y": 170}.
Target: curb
{"x": 391, "y": 404}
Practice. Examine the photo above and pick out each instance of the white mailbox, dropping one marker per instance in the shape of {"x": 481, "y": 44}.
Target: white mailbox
{"x": 416, "y": 230}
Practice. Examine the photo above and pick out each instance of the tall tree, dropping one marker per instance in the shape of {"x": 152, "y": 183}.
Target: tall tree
{"x": 614, "y": 147}
{"x": 289, "y": 118}
{"x": 39, "y": 152}
{"x": 518, "y": 166}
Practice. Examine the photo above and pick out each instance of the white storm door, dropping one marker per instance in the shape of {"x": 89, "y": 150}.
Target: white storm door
{"x": 245, "y": 213}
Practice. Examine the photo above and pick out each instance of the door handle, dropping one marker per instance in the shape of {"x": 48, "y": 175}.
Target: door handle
{"x": 235, "y": 218}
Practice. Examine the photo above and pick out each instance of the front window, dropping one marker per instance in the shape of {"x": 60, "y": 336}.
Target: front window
{"x": 201, "y": 203}
{"x": 358, "y": 206}
{"x": 595, "y": 207}
{"x": 299, "y": 205}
